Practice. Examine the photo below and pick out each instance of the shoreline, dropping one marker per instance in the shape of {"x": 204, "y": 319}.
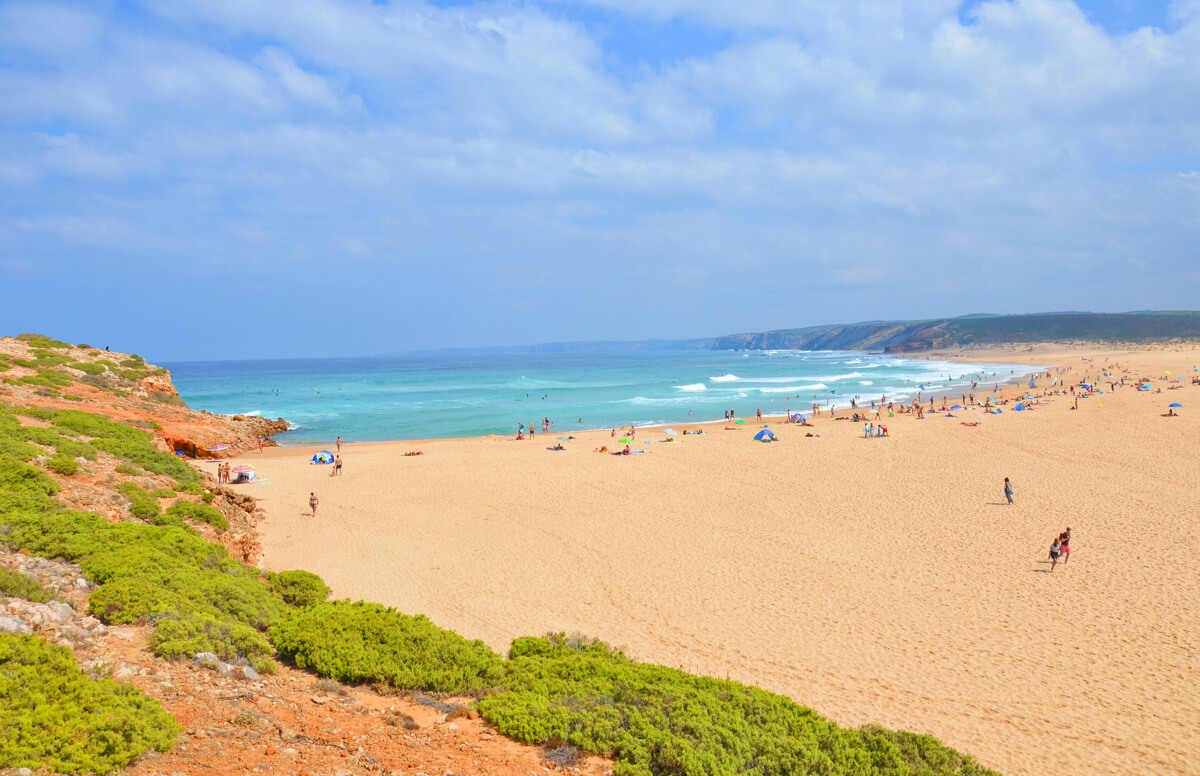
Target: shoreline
{"x": 804, "y": 409}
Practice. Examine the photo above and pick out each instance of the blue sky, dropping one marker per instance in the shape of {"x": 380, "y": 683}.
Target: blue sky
{"x": 255, "y": 178}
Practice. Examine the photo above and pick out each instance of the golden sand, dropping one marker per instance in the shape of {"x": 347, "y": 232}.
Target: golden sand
{"x": 881, "y": 581}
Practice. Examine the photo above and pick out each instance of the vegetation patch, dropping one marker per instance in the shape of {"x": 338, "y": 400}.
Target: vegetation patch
{"x": 658, "y": 720}
{"x": 63, "y": 465}
{"x": 299, "y": 588}
{"x": 199, "y": 599}
{"x": 203, "y": 513}
{"x": 89, "y": 368}
{"x": 127, "y": 443}
{"x": 57, "y": 718}
{"x": 365, "y": 642}
{"x": 17, "y": 585}
{"x": 41, "y": 341}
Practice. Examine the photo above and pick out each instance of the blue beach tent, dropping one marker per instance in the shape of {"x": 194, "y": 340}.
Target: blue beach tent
{"x": 766, "y": 435}
{"x": 1020, "y": 406}
{"x": 1175, "y": 404}
{"x": 323, "y": 457}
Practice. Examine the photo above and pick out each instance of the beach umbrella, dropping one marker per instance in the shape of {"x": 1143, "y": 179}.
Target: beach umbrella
{"x": 1175, "y": 404}
{"x": 996, "y": 411}
{"x": 218, "y": 448}
{"x": 766, "y": 435}
{"x": 670, "y": 432}
{"x": 242, "y": 469}
{"x": 625, "y": 441}
{"x": 739, "y": 421}
{"x": 956, "y": 407}
{"x": 323, "y": 457}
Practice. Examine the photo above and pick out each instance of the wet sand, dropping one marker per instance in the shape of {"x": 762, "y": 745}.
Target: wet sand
{"x": 878, "y": 581}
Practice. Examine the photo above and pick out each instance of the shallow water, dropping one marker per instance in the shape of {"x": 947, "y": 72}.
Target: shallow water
{"x": 416, "y": 397}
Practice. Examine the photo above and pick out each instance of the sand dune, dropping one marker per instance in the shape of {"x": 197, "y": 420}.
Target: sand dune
{"x": 879, "y": 581}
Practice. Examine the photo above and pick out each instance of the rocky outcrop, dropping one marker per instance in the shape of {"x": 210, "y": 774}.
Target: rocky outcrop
{"x": 124, "y": 387}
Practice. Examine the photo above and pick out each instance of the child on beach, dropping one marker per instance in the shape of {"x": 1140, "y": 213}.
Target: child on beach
{"x": 1055, "y": 549}
{"x": 1008, "y": 490}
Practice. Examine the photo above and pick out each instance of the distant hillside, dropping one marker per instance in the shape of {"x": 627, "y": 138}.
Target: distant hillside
{"x": 916, "y": 336}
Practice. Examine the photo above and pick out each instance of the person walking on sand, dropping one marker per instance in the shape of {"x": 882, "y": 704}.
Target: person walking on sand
{"x": 1065, "y": 541}
{"x": 1055, "y": 549}
{"x": 337, "y": 466}
{"x": 1008, "y": 490}
{"x": 313, "y": 501}
{"x": 339, "y": 444}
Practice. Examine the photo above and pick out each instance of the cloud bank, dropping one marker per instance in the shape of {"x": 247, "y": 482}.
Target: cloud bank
{"x": 414, "y": 174}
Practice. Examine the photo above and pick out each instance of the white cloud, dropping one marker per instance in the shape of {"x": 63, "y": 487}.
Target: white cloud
{"x": 835, "y": 142}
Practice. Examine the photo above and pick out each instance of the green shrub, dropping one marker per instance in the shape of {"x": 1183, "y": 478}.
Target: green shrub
{"x": 163, "y": 493}
{"x": 55, "y": 717}
{"x": 299, "y": 588}
{"x": 202, "y": 513}
{"x": 125, "y": 442}
{"x": 192, "y": 590}
{"x": 656, "y": 720}
{"x": 134, "y": 362}
{"x": 41, "y": 341}
{"x": 200, "y": 632}
{"x": 72, "y": 397}
{"x": 4, "y": 366}
{"x": 132, "y": 600}
{"x": 46, "y": 358}
{"x": 17, "y": 585}
{"x": 63, "y": 465}
{"x": 17, "y": 477}
{"x": 132, "y": 471}
{"x": 365, "y": 642}
{"x": 191, "y": 488}
{"x": 141, "y": 504}
{"x": 89, "y": 368}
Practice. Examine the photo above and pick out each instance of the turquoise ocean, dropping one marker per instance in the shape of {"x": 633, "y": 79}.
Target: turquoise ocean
{"x": 436, "y": 396}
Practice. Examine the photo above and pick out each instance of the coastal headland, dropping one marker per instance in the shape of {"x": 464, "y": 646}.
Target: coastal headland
{"x": 879, "y": 581}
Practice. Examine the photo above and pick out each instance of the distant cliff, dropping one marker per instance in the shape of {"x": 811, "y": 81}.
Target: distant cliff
{"x": 916, "y": 336}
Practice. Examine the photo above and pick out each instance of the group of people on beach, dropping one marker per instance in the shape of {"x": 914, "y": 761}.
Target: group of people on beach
{"x": 224, "y": 473}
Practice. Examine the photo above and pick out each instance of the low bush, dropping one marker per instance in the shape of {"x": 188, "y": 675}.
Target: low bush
{"x": 656, "y": 720}
{"x": 56, "y": 718}
{"x": 191, "y": 488}
{"x": 132, "y": 471}
{"x": 19, "y": 478}
{"x": 202, "y": 513}
{"x": 163, "y": 493}
{"x": 141, "y": 504}
{"x": 89, "y": 368}
{"x": 198, "y": 597}
{"x": 124, "y": 442}
{"x": 197, "y": 632}
{"x": 41, "y": 341}
{"x": 63, "y": 465}
{"x": 299, "y": 588}
{"x": 364, "y": 642}
{"x": 72, "y": 397}
{"x": 17, "y": 585}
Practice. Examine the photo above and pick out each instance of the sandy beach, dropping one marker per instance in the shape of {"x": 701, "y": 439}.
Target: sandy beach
{"x": 878, "y": 581}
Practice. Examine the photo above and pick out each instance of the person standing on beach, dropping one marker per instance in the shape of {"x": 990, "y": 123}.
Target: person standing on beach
{"x": 337, "y": 466}
{"x": 1055, "y": 549}
{"x": 1008, "y": 490}
{"x": 339, "y": 444}
{"x": 313, "y": 501}
{"x": 1065, "y": 541}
